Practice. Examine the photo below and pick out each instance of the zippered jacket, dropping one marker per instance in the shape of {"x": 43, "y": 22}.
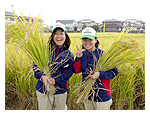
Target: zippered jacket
{"x": 62, "y": 70}
{"x": 101, "y": 87}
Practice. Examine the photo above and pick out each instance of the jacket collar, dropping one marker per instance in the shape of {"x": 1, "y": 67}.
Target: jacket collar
{"x": 97, "y": 52}
{"x": 93, "y": 52}
{"x": 61, "y": 49}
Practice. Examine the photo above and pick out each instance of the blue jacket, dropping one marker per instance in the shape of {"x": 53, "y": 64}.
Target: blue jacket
{"x": 65, "y": 68}
{"x": 102, "y": 85}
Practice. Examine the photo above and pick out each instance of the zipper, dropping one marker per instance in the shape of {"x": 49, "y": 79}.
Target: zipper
{"x": 57, "y": 51}
{"x": 87, "y": 55}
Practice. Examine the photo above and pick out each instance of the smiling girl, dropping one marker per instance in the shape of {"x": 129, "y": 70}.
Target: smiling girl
{"x": 61, "y": 70}
{"x": 100, "y": 97}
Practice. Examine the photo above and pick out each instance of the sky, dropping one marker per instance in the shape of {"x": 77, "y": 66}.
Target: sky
{"x": 97, "y": 10}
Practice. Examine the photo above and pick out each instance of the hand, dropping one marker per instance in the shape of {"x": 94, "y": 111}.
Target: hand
{"x": 45, "y": 80}
{"x": 52, "y": 81}
{"x": 93, "y": 76}
{"x": 79, "y": 52}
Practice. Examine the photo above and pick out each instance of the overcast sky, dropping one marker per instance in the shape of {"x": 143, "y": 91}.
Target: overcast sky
{"x": 97, "y": 10}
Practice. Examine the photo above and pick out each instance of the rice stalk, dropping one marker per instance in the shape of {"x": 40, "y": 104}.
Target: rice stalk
{"x": 18, "y": 74}
{"x": 27, "y": 37}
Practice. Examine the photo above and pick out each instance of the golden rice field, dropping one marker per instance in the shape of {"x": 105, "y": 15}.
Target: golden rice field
{"x": 128, "y": 88}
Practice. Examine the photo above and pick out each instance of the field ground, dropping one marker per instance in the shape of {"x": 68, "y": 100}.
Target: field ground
{"x": 127, "y": 92}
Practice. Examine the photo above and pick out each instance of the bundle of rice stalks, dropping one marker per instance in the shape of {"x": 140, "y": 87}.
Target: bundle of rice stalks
{"x": 28, "y": 36}
{"x": 120, "y": 51}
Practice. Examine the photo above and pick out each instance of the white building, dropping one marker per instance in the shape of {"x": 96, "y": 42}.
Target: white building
{"x": 69, "y": 24}
{"x": 136, "y": 25}
{"x": 87, "y": 22}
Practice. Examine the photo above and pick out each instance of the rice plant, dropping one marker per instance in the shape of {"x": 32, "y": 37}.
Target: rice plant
{"x": 19, "y": 79}
{"x": 74, "y": 82}
{"x": 28, "y": 38}
{"x": 123, "y": 95}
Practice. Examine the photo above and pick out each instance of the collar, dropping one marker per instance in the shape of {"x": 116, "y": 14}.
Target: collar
{"x": 97, "y": 52}
{"x": 59, "y": 48}
{"x": 93, "y": 52}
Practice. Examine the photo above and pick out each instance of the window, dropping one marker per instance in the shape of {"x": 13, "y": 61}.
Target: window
{"x": 12, "y": 19}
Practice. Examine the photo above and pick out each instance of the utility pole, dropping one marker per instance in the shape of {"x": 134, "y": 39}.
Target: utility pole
{"x": 12, "y": 6}
{"x": 51, "y": 19}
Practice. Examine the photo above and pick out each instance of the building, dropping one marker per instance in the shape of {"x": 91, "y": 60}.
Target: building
{"x": 9, "y": 17}
{"x": 69, "y": 24}
{"x": 85, "y": 22}
{"x": 112, "y": 25}
{"x": 135, "y": 25}
{"x": 27, "y": 18}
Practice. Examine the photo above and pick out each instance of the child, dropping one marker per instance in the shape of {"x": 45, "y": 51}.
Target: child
{"x": 62, "y": 66}
{"x": 84, "y": 62}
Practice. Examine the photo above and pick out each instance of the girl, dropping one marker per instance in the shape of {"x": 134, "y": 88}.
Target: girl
{"x": 85, "y": 62}
{"x": 61, "y": 70}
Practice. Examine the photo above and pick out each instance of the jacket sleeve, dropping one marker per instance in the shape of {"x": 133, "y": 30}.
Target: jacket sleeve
{"x": 109, "y": 74}
{"x": 37, "y": 73}
{"x": 77, "y": 65}
{"x": 68, "y": 71}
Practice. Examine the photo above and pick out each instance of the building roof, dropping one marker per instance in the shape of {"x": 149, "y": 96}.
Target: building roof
{"x": 111, "y": 20}
{"x": 9, "y": 13}
{"x": 132, "y": 20}
{"x": 65, "y": 21}
{"x": 128, "y": 25}
{"x": 27, "y": 17}
{"x": 138, "y": 25}
{"x": 87, "y": 20}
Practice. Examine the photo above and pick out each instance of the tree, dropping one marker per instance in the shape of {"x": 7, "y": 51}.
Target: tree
{"x": 75, "y": 28}
{"x": 96, "y": 27}
{"x": 84, "y": 26}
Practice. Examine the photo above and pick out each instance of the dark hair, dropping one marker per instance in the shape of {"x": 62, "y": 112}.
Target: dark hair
{"x": 96, "y": 44}
{"x": 51, "y": 42}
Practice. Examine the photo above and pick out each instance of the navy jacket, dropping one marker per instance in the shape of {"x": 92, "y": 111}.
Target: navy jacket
{"x": 102, "y": 85}
{"x": 65, "y": 68}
